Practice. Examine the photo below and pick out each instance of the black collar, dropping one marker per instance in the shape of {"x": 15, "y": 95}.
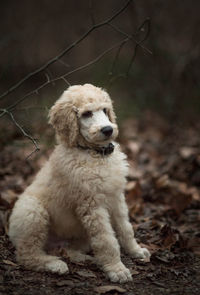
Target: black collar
{"x": 104, "y": 150}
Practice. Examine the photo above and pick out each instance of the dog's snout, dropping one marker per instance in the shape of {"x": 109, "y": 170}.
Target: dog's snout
{"x": 107, "y": 131}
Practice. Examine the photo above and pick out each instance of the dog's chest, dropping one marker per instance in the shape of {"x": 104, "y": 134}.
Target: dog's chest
{"x": 83, "y": 174}
{"x": 110, "y": 173}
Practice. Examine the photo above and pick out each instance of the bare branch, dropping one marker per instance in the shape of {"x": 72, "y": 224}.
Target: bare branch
{"x": 119, "y": 45}
{"x": 116, "y": 57}
{"x": 51, "y": 80}
{"x": 132, "y": 36}
{"x": 25, "y": 134}
{"x": 35, "y": 91}
{"x": 63, "y": 63}
{"x": 147, "y": 21}
{"x": 49, "y": 74}
{"x": 63, "y": 77}
{"x": 132, "y": 60}
{"x": 113, "y": 78}
{"x": 66, "y": 50}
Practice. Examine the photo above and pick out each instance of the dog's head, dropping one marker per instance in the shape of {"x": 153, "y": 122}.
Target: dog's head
{"x": 84, "y": 112}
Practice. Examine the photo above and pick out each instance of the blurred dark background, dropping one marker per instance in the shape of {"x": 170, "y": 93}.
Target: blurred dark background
{"x": 165, "y": 82}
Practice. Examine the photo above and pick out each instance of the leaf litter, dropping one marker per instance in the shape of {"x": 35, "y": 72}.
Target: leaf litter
{"x": 163, "y": 196}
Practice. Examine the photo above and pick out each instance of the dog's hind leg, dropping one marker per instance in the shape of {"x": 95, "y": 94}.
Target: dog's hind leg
{"x": 77, "y": 256}
{"x": 78, "y": 249}
{"x": 28, "y": 230}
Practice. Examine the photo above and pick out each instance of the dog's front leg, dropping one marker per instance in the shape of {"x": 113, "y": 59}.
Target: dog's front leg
{"x": 104, "y": 244}
{"x": 124, "y": 229}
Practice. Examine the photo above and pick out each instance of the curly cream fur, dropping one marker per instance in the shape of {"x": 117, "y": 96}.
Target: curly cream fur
{"x": 77, "y": 195}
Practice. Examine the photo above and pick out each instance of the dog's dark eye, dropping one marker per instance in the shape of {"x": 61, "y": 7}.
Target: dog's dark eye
{"x": 105, "y": 111}
{"x": 87, "y": 114}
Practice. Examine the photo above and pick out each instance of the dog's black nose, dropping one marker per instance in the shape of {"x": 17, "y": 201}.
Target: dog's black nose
{"x": 107, "y": 131}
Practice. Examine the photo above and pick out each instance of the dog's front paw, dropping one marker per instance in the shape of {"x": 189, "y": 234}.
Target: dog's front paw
{"x": 118, "y": 273}
{"x": 141, "y": 253}
{"x": 57, "y": 266}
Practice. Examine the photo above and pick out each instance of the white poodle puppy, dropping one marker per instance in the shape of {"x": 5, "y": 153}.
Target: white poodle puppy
{"x": 79, "y": 193}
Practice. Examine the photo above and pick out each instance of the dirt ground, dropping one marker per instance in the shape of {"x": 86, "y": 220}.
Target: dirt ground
{"x": 163, "y": 195}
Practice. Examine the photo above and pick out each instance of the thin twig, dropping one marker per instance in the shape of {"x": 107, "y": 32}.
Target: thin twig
{"x": 50, "y": 79}
{"x": 147, "y": 21}
{"x": 132, "y": 36}
{"x": 49, "y": 73}
{"x": 118, "y": 44}
{"x": 116, "y": 57}
{"x": 66, "y": 50}
{"x": 25, "y": 134}
{"x": 63, "y": 63}
{"x": 63, "y": 77}
{"x": 113, "y": 78}
{"x": 132, "y": 60}
{"x": 35, "y": 91}
{"x": 65, "y": 80}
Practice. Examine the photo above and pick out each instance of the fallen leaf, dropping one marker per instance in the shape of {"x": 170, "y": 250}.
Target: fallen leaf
{"x": 180, "y": 201}
{"x": 195, "y": 193}
{"x": 134, "y": 272}
{"x": 177, "y": 194}
{"x": 109, "y": 288}
{"x": 194, "y": 245}
{"x": 162, "y": 181}
{"x": 65, "y": 283}
{"x": 8, "y": 198}
{"x": 86, "y": 274}
{"x": 9, "y": 262}
{"x": 169, "y": 237}
{"x": 133, "y": 147}
{"x": 4, "y": 220}
{"x": 134, "y": 198}
{"x": 186, "y": 152}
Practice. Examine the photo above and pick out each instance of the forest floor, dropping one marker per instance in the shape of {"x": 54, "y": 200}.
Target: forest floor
{"x": 163, "y": 195}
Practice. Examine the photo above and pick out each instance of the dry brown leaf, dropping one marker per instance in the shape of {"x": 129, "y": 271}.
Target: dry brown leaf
{"x": 4, "y": 219}
{"x": 169, "y": 237}
{"x": 133, "y": 147}
{"x": 195, "y": 193}
{"x": 194, "y": 245}
{"x": 152, "y": 247}
{"x": 135, "y": 191}
{"x": 86, "y": 274}
{"x": 8, "y": 198}
{"x": 134, "y": 172}
{"x": 162, "y": 181}
{"x": 177, "y": 194}
{"x": 180, "y": 201}
{"x": 134, "y": 272}
{"x": 65, "y": 283}
{"x": 134, "y": 198}
{"x": 198, "y": 159}
{"x": 109, "y": 288}
{"x": 186, "y": 152}
{"x": 9, "y": 262}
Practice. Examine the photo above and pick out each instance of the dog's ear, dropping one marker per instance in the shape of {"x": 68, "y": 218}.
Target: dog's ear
{"x": 111, "y": 115}
{"x": 64, "y": 119}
